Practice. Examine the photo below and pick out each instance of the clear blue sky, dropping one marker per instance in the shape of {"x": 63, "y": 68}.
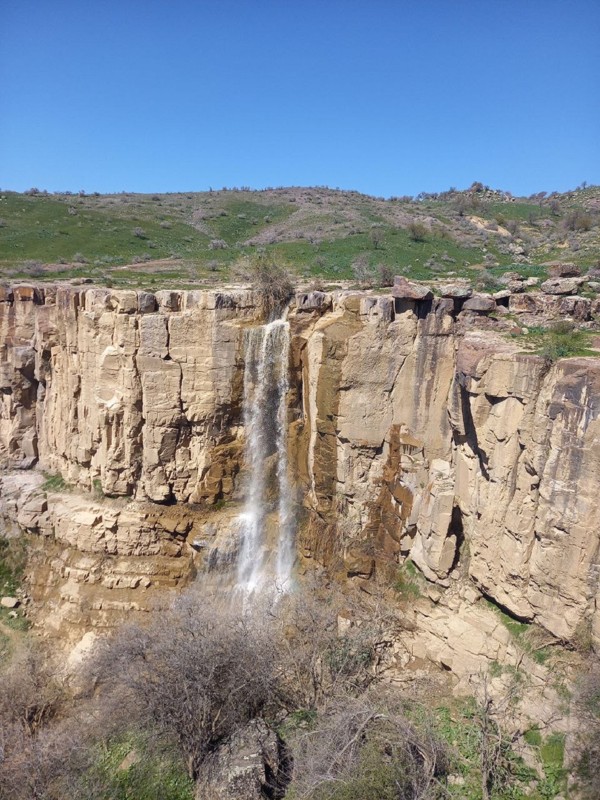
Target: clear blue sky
{"x": 387, "y": 97}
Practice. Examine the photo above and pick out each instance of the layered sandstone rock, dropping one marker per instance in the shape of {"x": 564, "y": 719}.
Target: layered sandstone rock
{"x": 416, "y": 429}
{"x": 425, "y": 441}
{"x": 102, "y": 387}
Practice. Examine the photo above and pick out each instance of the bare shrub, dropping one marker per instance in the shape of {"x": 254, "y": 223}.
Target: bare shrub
{"x": 365, "y": 748}
{"x": 578, "y": 221}
{"x": 31, "y": 697}
{"x": 317, "y": 659}
{"x": 270, "y": 281}
{"x": 377, "y": 237}
{"x": 362, "y": 270}
{"x": 195, "y": 675}
{"x": 487, "y": 282}
{"x": 139, "y": 233}
{"x": 34, "y": 268}
{"x": 385, "y": 275}
{"x": 30, "y": 691}
{"x": 417, "y": 231}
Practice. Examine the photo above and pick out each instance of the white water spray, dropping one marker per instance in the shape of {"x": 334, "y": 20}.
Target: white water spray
{"x": 266, "y": 386}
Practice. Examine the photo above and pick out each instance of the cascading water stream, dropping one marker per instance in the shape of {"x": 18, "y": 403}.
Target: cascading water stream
{"x": 266, "y": 385}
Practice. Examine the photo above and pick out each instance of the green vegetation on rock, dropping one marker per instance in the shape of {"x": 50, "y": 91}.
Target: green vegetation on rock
{"x": 561, "y": 340}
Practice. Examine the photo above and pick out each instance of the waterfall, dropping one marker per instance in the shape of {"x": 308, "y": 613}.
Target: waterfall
{"x": 267, "y": 490}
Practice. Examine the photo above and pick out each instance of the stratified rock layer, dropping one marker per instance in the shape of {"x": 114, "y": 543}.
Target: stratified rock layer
{"x": 416, "y": 429}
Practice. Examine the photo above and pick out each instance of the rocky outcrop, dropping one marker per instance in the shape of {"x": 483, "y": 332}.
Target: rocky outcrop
{"x": 253, "y": 764}
{"x": 416, "y": 429}
{"x": 444, "y": 446}
{"x": 134, "y": 391}
{"x": 94, "y": 561}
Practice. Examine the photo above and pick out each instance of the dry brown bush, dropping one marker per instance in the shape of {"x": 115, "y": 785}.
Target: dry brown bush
{"x": 587, "y": 706}
{"x": 271, "y": 282}
{"x": 367, "y": 747}
{"x": 195, "y": 675}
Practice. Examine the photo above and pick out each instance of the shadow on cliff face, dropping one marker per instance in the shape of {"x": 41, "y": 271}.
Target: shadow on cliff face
{"x": 469, "y": 429}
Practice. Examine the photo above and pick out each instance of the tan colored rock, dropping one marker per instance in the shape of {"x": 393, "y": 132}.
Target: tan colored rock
{"x": 456, "y": 291}
{"x": 564, "y": 271}
{"x": 409, "y": 432}
{"x": 561, "y": 286}
{"x": 407, "y": 290}
{"x": 480, "y": 304}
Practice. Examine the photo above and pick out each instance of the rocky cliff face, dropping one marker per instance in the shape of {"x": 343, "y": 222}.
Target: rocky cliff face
{"x": 416, "y": 429}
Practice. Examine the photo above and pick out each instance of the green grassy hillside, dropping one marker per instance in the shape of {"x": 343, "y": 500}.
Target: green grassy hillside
{"x": 206, "y": 237}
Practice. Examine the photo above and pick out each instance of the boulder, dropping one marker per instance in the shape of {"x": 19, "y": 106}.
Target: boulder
{"x": 560, "y": 286}
{"x": 252, "y": 765}
{"x": 480, "y": 304}
{"x": 509, "y": 277}
{"x": 407, "y": 290}
{"x": 456, "y": 291}
{"x": 10, "y": 602}
{"x": 167, "y": 300}
{"x": 564, "y": 271}
{"x": 313, "y": 301}
{"x": 26, "y": 292}
{"x": 594, "y": 286}
{"x": 146, "y": 302}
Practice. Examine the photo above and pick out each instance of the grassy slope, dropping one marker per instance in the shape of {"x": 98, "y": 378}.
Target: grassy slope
{"x": 184, "y": 239}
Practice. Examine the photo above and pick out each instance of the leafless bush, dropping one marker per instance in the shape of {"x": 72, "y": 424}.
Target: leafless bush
{"x": 34, "y": 268}
{"x": 377, "y": 237}
{"x": 385, "y": 275}
{"x": 487, "y": 282}
{"x": 270, "y": 281}
{"x": 587, "y": 705}
{"x": 217, "y": 244}
{"x": 362, "y": 270}
{"x": 195, "y": 675}
{"x": 578, "y": 221}
{"x": 31, "y": 697}
{"x": 30, "y": 691}
{"x": 417, "y": 231}
{"x": 366, "y": 748}
{"x": 139, "y": 233}
{"x": 322, "y": 652}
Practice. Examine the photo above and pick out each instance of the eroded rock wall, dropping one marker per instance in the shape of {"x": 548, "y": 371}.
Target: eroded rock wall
{"x": 430, "y": 437}
{"x": 136, "y": 393}
{"x": 416, "y": 429}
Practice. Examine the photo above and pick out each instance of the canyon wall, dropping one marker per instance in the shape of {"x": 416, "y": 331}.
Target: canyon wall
{"x": 416, "y": 429}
